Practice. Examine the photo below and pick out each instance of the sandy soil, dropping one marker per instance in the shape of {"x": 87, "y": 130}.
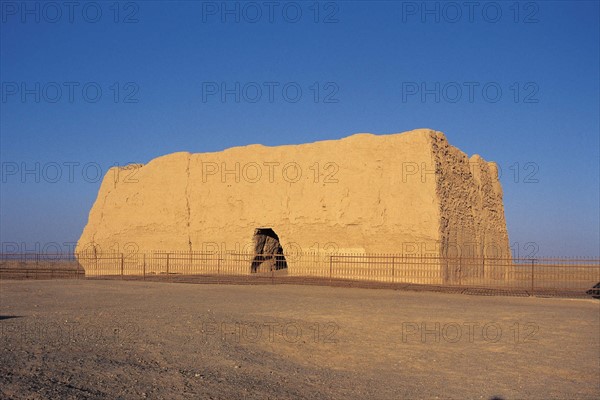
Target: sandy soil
{"x": 117, "y": 339}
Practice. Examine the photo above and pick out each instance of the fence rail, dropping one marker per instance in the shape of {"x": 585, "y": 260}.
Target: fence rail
{"x": 530, "y": 276}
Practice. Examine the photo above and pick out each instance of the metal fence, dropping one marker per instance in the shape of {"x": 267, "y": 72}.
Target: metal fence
{"x": 569, "y": 276}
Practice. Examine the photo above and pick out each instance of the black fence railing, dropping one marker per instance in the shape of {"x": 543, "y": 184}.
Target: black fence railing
{"x": 569, "y": 276}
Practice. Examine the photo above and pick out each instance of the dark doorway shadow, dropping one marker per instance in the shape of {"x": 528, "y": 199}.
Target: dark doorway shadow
{"x": 268, "y": 253}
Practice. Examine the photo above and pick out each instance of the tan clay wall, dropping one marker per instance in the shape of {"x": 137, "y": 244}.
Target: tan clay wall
{"x": 351, "y": 195}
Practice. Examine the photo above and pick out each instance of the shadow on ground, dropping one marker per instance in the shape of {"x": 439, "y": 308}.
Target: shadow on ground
{"x": 3, "y": 317}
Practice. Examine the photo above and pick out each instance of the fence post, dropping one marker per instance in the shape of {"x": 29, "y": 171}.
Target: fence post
{"x": 460, "y": 270}
{"x": 168, "y": 266}
{"x": 144, "y": 266}
{"x": 393, "y": 268}
{"x": 483, "y": 266}
{"x": 532, "y": 275}
{"x": 122, "y": 264}
{"x": 403, "y": 267}
{"x": 330, "y": 267}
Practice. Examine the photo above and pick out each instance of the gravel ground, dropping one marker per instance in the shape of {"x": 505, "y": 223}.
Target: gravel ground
{"x": 95, "y": 339}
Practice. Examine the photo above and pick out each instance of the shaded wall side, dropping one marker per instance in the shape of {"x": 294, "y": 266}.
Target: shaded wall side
{"x": 472, "y": 224}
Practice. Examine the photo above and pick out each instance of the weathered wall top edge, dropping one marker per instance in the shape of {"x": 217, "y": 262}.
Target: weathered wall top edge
{"x": 353, "y": 137}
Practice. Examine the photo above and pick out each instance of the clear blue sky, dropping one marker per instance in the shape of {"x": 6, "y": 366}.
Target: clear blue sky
{"x": 367, "y": 58}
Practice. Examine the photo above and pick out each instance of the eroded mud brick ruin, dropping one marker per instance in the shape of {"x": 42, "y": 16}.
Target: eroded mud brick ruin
{"x": 407, "y": 193}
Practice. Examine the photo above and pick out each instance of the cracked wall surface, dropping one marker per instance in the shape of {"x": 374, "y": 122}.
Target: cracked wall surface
{"x": 401, "y": 193}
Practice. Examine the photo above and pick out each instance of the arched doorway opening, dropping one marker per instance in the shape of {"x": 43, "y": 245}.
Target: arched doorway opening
{"x": 268, "y": 253}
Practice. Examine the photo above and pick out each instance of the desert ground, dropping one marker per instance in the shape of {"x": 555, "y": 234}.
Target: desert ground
{"x": 118, "y": 339}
